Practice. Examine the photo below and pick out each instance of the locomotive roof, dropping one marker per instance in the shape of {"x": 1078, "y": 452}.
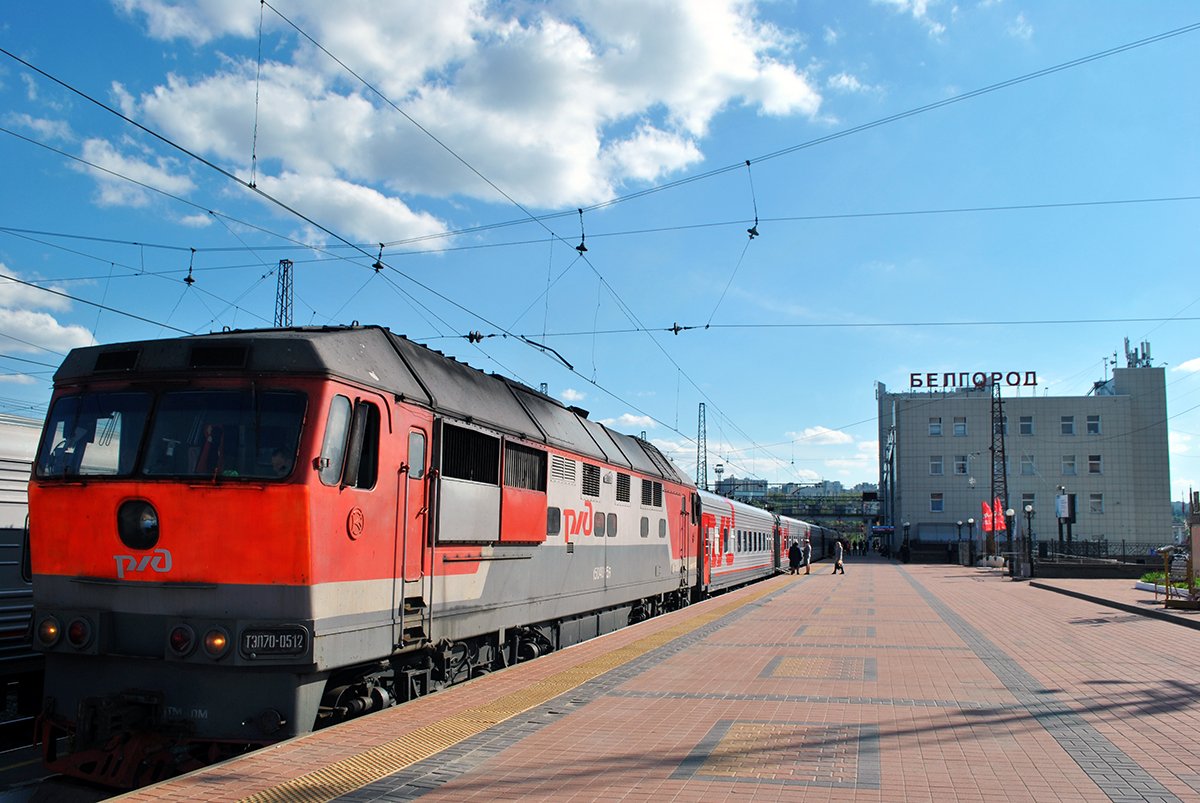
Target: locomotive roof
{"x": 376, "y": 357}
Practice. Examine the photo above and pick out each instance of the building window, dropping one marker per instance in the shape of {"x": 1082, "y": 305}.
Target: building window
{"x": 935, "y": 465}
{"x": 960, "y": 464}
{"x": 1096, "y": 503}
{"x": 1028, "y": 466}
{"x": 1093, "y": 425}
{"x": 1068, "y": 465}
{"x": 936, "y": 503}
{"x": 960, "y": 426}
{"x": 1095, "y": 464}
{"x": 1026, "y": 501}
{"x": 1067, "y": 425}
{"x": 1026, "y": 425}
{"x": 935, "y": 426}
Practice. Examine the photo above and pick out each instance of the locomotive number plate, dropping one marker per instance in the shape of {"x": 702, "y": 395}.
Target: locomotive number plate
{"x": 274, "y": 641}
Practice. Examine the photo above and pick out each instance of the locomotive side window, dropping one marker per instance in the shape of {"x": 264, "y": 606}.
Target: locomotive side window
{"x": 612, "y": 525}
{"x": 591, "y": 480}
{"x": 362, "y": 456}
{"x": 524, "y": 467}
{"x": 468, "y": 454}
{"x": 662, "y": 528}
{"x": 93, "y": 434}
{"x": 333, "y": 447}
{"x": 622, "y": 487}
{"x": 416, "y": 455}
{"x": 553, "y": 521}
{"x": 598, "y": 525}
{"x": 652, "y": 494}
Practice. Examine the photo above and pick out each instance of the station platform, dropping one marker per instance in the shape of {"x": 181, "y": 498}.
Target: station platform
{"x": 889, "y": 683}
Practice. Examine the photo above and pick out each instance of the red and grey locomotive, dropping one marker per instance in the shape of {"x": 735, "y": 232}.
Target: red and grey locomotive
{"x": 243, "y": 536}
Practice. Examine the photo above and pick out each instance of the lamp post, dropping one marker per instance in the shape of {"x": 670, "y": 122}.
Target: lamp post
{"x": 971, "y": 540}
{"x": 1008, "y": 522}
{"x": 1029, "y": 537}
{"x": 904, "y": 546}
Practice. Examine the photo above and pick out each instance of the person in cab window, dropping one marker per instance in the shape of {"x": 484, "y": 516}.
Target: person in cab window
{"x": 281, "y": 464}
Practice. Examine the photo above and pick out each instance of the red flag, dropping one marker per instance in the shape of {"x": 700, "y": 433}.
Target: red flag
{"x": 998, "y": 523}
{"x": 987, "y": 517}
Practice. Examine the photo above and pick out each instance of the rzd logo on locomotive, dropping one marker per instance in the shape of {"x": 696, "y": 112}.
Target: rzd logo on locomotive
{"x": 157, "y": 561}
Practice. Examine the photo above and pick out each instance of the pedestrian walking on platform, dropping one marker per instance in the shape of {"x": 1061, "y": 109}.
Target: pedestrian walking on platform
{"x": 794, "y": 556}
{"x": 807, "y": 559}
{"x": 838, "y": 556}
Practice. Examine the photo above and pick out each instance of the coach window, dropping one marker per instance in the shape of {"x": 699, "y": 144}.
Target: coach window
{"x": 333, "y": 447}
{"x": 725, "y": 540}
{"x": 416, "y": 455}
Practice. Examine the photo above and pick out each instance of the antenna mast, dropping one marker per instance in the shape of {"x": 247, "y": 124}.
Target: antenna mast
{"x": 702, "y": 452}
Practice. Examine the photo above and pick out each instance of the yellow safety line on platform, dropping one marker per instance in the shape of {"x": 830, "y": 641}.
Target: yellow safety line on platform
{"x": 353, "y": 773}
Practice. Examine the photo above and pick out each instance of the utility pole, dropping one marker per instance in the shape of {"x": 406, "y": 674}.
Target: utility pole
{"x": 702, "y": 453}
{"x": 283, "y": 295}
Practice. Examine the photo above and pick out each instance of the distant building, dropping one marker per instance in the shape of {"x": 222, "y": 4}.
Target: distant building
{"x": 742, "y": 489}
{"x": 1108, "y": 448}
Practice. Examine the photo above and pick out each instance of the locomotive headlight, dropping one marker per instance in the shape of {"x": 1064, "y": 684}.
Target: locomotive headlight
{"x": 79, "y": 633}
{"x": 48, "y": 631}
{"x": 216, "y": 642}
{"x": 182, "y": 640}
{"x": 137, "y": 524}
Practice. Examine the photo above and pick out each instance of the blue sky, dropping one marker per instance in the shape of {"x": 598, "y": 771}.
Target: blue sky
{"x": 1032, "y": 227}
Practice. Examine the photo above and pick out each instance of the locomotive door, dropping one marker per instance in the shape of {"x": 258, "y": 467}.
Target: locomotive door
{"x": 410, "y": 617}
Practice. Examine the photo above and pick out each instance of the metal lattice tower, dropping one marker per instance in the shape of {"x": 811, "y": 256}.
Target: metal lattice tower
{"x": 702, "y": 452}
{"x": 283, "y": 295}
{"x": 999, "y": 463}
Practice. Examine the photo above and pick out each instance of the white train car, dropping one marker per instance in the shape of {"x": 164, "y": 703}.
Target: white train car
{"x": 19, "y": 664}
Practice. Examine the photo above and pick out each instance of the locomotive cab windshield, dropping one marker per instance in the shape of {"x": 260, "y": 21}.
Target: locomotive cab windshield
{"x": 222, "y": 433}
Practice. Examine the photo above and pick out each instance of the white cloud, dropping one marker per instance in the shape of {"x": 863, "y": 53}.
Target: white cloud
{"x": 54, "y": 130}
{"x": 41, "y": 328}
{"x": 28, "y": 329}
{"x": 830, "y": 36}
{"x": 198, "y": 23}
{"x": 919, "y": 10}
{"x": 1020, "y": 28}
{"x": 1180, "y": 442}
{"x": 571, "y": 395}
{"x": 562, "y": 104}
{"x": 822, "y": 436}
{"x": 845, "y": 82}
{"x": 1190, "y": 366}
{"x": 157, "y": 172}
{"x": 629, "y": 421}
{"x": 15, "y": 294}
{"x": 197, "y": 221}
{"x": 351, "y": 209}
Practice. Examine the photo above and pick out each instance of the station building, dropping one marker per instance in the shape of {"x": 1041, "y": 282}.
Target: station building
{"x": 1108, "y": 449}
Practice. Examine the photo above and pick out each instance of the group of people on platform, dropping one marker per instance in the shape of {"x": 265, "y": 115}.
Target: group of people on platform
{"x": 800, "y": 554}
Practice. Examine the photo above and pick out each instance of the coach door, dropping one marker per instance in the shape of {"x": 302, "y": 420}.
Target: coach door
{"x": 411, "y": 609}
